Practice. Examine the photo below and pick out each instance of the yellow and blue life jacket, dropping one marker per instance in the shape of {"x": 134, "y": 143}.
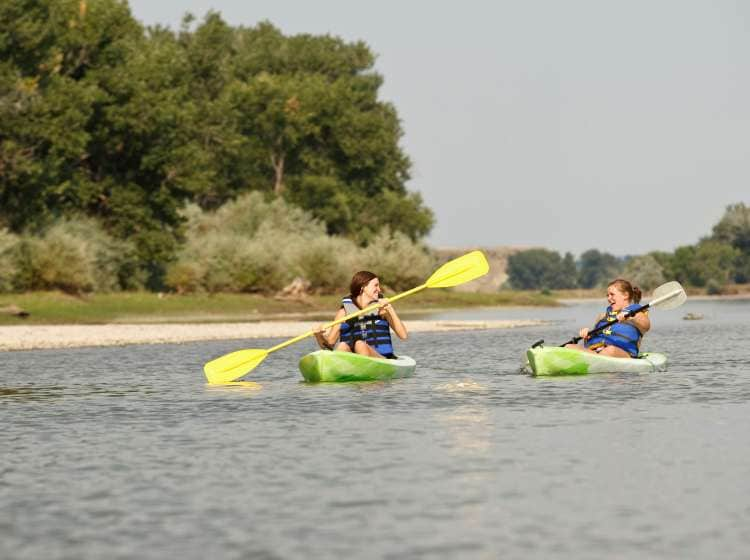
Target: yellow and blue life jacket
{"x": 371, "y": 328}
{"x": 623, "y": 335}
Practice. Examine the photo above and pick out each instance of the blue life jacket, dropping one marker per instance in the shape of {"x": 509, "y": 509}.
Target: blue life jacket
{"x": 623, "y": 335}
{"x": 371, "y": 328}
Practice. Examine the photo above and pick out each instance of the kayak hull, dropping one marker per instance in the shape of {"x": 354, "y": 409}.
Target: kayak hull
{"x": 328, "y": 366}
{"x": 566, "y": 361}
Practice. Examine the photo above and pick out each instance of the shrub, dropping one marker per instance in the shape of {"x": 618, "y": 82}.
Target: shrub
{"x": 399, "y": 262}
{"x": 227, "y": 262}
{"x": 327, "y": 263}
{"x": 72, "y": 256}
{"x": 645, "y": 272}
{"x": 246, "y": 215}
{"x": 224, "y": 262}
{"x": 185, "y": 277}
{"x": 115, "y": 261}
{"x": 8, "y": 260}
{"x": 56, "y": 261}
{"x": 252, "y": 245}
{"x": 714, "y": 287}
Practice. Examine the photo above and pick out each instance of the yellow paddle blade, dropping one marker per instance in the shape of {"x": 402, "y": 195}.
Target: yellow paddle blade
{"x": 459, "y": 271}
{"x": 233, "y": 366}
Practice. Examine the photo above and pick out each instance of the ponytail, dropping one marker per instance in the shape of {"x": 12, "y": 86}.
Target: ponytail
{"x": 634, "y": 292}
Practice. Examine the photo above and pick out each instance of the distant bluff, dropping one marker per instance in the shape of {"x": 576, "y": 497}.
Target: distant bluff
{"x": 497, "y": 257}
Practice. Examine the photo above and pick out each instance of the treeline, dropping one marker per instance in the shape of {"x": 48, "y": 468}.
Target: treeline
{"x": 719, "y": 259}
{"x": 248, "y": 245}
{"x": 113, "y": 138}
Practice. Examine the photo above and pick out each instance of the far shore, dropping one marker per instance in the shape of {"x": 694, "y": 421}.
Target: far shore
{"x": 60, "y": 321}
{"x": 30, "y": 337}
{"x": 691, "y": 297}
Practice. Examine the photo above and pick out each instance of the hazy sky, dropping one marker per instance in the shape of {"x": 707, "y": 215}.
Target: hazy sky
{"x": 623, "y": 126}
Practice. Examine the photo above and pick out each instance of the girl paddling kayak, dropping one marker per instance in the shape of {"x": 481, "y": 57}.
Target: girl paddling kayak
{"x": 369, "y": 334}
{"x": 622, "y": 339}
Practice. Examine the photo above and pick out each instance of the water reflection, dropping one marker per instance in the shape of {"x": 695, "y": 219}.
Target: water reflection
{"x": 469, "y": 427}
{"x": 48, "y": 392}
{"x": 31, "y": 393}
{"x": 234, "y": 386}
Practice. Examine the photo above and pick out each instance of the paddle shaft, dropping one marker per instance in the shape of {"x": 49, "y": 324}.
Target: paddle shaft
{"x": 346, "y": 318}
{"x": 630, "y": 313}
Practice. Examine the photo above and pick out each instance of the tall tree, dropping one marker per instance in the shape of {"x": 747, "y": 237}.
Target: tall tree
{"x": 102, "y": 117}
{"x": 596, "y": 268}
{"x": 48, "y": 51}
{"x": 309, "y": 109}
{"x": 644, "y": 271}
{"x": 734, "y": 227}
{"x": 540, "y": 269}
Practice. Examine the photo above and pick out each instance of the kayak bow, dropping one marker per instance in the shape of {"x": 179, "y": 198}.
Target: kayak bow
{"x": 325, "y": 365}
{"x": 567, "y": 361}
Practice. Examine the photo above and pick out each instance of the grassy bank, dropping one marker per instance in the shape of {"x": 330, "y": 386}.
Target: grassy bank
{"x": 144, "y": 307}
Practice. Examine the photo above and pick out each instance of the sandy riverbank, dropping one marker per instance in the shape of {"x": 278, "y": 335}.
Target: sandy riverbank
{"x": 72, "y": 336}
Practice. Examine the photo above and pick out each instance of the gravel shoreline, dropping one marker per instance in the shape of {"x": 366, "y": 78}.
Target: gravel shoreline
{"x": 32, "y": 337}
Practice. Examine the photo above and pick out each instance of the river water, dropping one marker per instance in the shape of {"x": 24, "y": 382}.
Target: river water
{"x": 125, "y": 452}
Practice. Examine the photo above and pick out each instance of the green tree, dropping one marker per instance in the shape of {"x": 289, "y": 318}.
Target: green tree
{"x": 211, "y": 52}
{"x": 48, "y": 49}
{"x": 666, "y": 261}
{"x": 87, "y": 123}
{"x": 103, "y": 118}
{"x": 596, "y": 268}
{"x": 310, "y": 112}
{"x": 682, "y": 264}
{"x": 644, "y": 271}
{"x": 708, "y": 261}
{"x": 539, "y": 269}
{"x": 734, "y": 229}
{"x": 714, "y": 262}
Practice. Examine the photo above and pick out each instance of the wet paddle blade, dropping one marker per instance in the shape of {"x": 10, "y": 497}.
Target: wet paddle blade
{"x": 459, "y": 271}
{"x": 233, "y": 366}
{"x": 668, "y": 296}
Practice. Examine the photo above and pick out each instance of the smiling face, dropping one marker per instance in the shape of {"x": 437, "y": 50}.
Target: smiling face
{"x": 371, "y": 290}
{"x": 616, "y": 298}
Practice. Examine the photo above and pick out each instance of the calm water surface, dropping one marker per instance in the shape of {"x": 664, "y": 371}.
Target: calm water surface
{"x": 126, "y": 453}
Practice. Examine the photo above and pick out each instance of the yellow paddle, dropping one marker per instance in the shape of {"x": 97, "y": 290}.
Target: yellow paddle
{"x": 453, "y": 273}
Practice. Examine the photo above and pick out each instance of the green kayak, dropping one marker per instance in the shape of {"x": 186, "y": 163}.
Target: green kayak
{"x": 566, "y": 361}
{"x": 325, "y": 365}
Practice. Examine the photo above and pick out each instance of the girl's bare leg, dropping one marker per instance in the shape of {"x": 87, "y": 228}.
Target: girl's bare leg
{"x": 361, "y": 347}
{"x": 614, "y": 352}
{"x": 581, "y": 348}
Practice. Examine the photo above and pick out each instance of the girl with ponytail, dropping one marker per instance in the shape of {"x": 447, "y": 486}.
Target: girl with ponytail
{"x": 623, "y": 339}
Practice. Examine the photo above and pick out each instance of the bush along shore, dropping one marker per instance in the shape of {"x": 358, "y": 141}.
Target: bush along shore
{"x": 58, "y": 308}
{"x": 145, "y": 307}
{"x": 250, "y": 245}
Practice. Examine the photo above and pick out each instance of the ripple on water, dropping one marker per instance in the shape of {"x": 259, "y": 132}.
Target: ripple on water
{"x": 126, "y": 452}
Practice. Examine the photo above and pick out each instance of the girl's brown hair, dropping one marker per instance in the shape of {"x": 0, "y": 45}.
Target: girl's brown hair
{"x": 359, "y": 281}
{"x": 634, "y": 292}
